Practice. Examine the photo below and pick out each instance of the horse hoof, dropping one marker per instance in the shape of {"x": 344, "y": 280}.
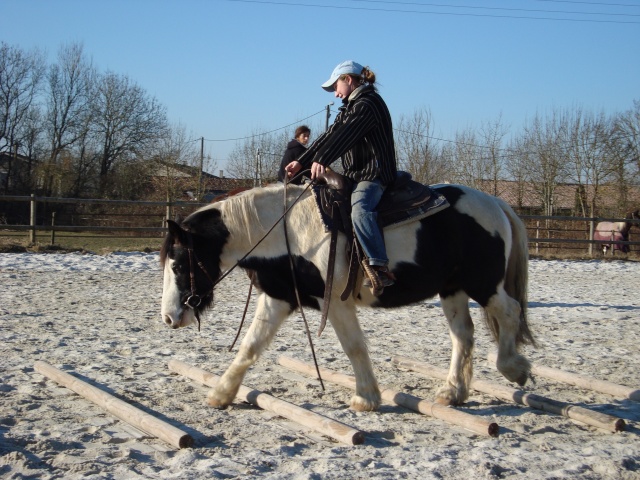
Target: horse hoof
{"x": 214, "y": 401}
{"x": 448, "y": 396}
{"x": 517, "y": 370}
{"x": 360, "y": 404}
{"x": 443, "y": 401}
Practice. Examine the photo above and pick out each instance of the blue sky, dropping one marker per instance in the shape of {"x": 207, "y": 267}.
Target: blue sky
{"x": 226, "y": 69}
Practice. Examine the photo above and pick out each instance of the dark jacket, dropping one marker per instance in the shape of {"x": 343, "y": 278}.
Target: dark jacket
{"x": 362, "y": 135}
{"x": 293, "y": 152}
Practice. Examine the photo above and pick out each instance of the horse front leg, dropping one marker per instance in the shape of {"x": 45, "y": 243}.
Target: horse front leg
{"x": 456, "y": 389}
{"x": 270, "y": 313}
{"x": 345, "y": 323}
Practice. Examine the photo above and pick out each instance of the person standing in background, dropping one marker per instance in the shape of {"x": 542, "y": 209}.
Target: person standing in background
{"x": 295, "y": 148}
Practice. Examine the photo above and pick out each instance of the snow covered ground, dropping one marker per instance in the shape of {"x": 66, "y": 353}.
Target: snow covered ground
{"x": 98, "y": 317}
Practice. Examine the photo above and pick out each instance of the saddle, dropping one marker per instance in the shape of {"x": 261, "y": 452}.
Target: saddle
{"x": 403, "y": 201}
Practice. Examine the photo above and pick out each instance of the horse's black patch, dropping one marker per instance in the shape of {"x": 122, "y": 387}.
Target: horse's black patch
{"x": 273, "y": 276}
{"x": 454, "y": 253}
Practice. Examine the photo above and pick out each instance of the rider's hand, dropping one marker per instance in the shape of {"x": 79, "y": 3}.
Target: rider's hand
{"x": 293, "y": 168}
{"x": 316, "y": 169}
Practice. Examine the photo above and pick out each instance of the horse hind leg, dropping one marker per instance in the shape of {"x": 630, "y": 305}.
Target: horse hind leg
{"x": 503, "y": 317}
{"x": 270, "y": 314}
{"x": 456, "y": 389}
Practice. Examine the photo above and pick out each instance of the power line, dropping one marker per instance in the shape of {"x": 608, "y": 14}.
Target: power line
{"x": 257, "y": 134}
{"x": 592, "y": 3}
{"x": 425, "y": 12}
{"x": 476, "y": 7}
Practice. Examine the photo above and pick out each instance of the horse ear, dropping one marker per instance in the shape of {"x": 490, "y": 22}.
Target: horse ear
{"x": 175, "y": 230}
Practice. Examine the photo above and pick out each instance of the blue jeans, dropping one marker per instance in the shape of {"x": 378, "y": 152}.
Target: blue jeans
{"x": 364, "y": 200}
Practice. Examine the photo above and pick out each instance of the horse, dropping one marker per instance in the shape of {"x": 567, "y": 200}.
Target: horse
{"x": 475, "y": 249}
{"x": 614, "y": 233}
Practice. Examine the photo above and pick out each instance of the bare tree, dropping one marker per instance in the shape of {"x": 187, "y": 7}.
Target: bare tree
{"x": 178, "y": 162}
{"x": 624, "y": 147}
{"x": 469, "y": 163}
{"x": 417, "y": 152}
{"x": 516, "y": 169}
{"x": 21, "y": 74}
{"x": 545, "y": 158}
{"x": 492, "y": 137}
{"x": 258, "y": 157}
{"x": 127, "y": 121}
{"x": 71, "y": 81}
{"x": 626, "y": 137}
{"x": 20, "y": 78}
{"x": 587, "y": 144}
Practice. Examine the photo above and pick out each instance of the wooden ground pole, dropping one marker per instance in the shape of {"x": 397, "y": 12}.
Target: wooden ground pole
{"x": 327, "y": 426}
{"x": 581, "y": 414}
{"x": 582, "y": 381}
{"x": 128, "y": 413}
{"x": 451, "y": 415}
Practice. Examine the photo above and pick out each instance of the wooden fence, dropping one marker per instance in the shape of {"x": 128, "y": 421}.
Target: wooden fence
{"x": 116, "y": 217}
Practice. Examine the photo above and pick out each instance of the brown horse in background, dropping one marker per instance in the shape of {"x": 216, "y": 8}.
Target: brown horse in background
{"x": 615, "y": 233}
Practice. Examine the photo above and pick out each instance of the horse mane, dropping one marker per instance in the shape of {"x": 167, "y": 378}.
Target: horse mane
{"x": 240, "y": 212}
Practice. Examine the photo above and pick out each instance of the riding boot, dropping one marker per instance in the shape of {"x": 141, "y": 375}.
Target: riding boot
{"x": 377, "y": 277}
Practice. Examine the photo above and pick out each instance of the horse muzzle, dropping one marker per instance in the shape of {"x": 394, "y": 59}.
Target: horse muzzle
{"x": 182, "y": 318}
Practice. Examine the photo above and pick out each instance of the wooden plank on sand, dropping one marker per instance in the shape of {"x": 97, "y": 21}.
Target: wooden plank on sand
{"x": 448, "y": 414}
{"x": 327, "y": 426}
{"x": 582, "y": 381}
{"x": 128, "y": 413}
{"x": 581, "y": 414}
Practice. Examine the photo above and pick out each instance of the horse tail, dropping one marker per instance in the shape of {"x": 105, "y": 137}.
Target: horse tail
{"x": 517, "y": 272}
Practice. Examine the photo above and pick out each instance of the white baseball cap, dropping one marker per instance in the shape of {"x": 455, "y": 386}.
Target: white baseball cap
{"x": 348, "y": 67}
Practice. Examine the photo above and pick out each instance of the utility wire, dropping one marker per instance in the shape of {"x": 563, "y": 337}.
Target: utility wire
{"x": 425, "y": 12}
{"x": 593, "y": 3}
{"x": 257, "y": 134}
{"x": 476, "y": 7}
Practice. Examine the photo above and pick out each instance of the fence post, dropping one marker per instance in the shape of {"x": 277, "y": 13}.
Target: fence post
{"x": 591, "y": 230}
{"x": 53, "y": 228}
{"x": 32, "y": 219}
{"x": 168, "y": 211}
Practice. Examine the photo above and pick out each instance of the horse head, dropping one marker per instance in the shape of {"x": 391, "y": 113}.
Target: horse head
{"x": 190, "y": 258}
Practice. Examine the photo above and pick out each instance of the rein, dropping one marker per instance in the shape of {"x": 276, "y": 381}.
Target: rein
{"x": 295, "y": 285}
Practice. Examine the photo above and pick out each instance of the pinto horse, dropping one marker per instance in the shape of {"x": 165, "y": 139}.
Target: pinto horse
{"x": 475, "y": 249}
{"x": 615, "y": 232}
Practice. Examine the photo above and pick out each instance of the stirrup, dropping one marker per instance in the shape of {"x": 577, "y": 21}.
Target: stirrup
{"x": 377, "y": 278}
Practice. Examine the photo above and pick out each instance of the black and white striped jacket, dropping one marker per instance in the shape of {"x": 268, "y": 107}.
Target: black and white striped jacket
{"x": 362, "y": 135}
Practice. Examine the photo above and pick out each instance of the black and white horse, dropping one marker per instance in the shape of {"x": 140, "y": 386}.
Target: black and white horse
{"x": 475, "y": 249}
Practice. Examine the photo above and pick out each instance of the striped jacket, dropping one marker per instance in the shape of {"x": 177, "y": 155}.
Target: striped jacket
{"x": 362, "y": 135}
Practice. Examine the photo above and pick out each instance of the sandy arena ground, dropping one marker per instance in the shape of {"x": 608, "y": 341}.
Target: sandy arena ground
{"x": 97, "y": 317}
